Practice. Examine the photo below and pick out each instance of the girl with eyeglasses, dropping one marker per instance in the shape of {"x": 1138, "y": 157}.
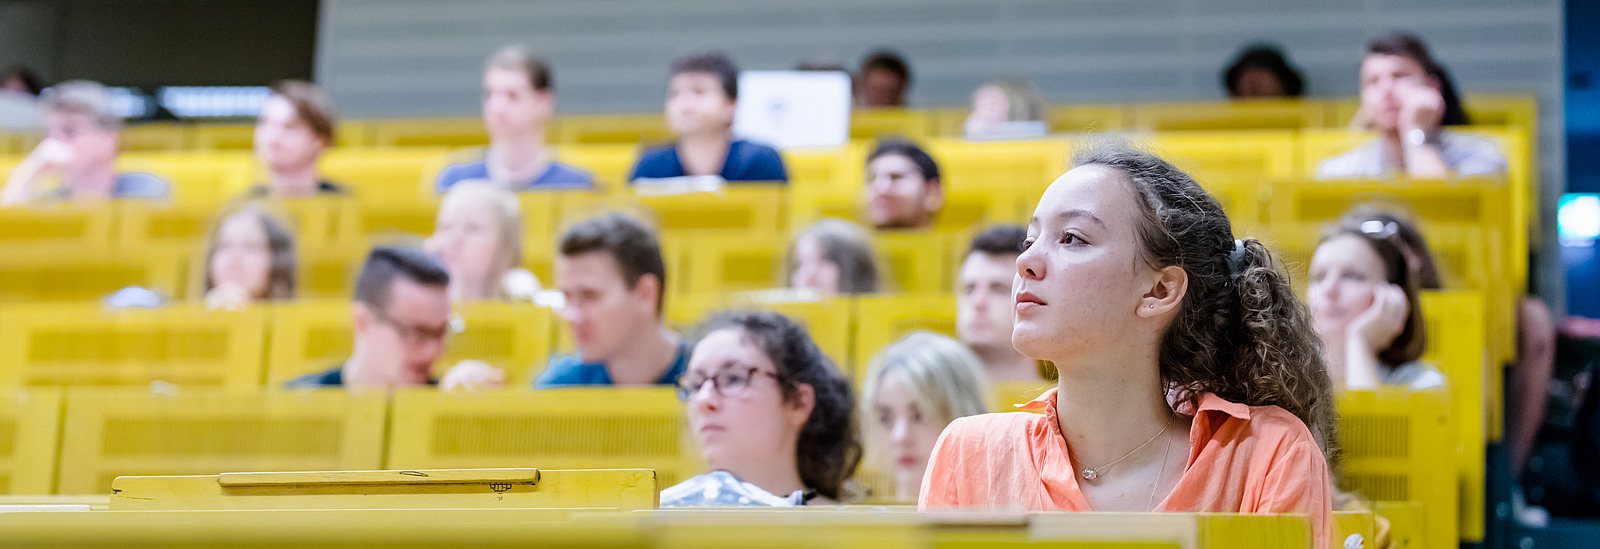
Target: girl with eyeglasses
{"x": 773, "y": 418}
{"x": 1363, "y": 297}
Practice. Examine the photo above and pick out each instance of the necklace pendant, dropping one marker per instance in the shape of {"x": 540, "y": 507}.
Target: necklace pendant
{"x": 1090, "y": 474}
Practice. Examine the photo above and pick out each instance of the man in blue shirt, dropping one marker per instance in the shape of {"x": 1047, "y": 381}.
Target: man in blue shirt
{"x": 702, "y": 95}
{"x": 614, "y": 281}
{"x": 518, "y": 101}
{"x": 612, "y": 277}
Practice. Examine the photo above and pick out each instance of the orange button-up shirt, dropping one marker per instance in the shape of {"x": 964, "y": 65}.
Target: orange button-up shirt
{"x": 1243, "y": 459}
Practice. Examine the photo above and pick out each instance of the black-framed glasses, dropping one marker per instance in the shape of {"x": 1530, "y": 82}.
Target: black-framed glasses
{"x": 727, "y": 382}
{"x": 414, "y": 334}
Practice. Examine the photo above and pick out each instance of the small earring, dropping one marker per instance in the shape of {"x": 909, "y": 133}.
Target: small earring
{"x": 1152, "y": 305}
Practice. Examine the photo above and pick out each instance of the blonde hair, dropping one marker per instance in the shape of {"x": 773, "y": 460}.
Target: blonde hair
{"x": 1024, "y": 103}
{"x": 83, "y": 97}
{"x": 945, "y": 376}
{"x": 508, "y": 218}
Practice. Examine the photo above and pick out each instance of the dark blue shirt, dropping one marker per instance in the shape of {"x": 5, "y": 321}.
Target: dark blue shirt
{"x": 746, "y": 161}
{"x": 331, "y": 377}
{"x": 571, "y": 370}
{"x": 557, "y": 176}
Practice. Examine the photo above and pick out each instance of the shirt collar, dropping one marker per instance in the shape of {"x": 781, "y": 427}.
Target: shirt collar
{"x": 1209, "y": 402}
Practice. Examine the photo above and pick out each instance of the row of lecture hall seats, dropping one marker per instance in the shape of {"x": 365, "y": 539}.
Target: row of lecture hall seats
{"x": 549, "y": 517}
{"x": 81, "y": 440}
{"x": 205, "y": 410}
{"x": 1489, "y": 110}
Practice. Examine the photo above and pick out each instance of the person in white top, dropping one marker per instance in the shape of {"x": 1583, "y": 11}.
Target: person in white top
{"x": 1407, "y": 98}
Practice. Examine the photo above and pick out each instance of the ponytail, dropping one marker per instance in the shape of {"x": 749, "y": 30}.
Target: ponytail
{"x": 1240, "y": 332}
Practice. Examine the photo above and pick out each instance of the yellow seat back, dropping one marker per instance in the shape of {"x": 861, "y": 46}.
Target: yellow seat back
{"x": 428, "y": 132}
{"x": 30, "y": 433}
{"x": 755, "y": 207}
{"x": 109, "y": 433}
{"x": 1230, "y": 115}
{"x": 883, "y": 319}
{"x": 883, "y": 123}
{"x": 605, "y": 428}
{"x": 86, "y": 344}
{"x": 216, "y": 137}
{"x": 1398, "y": 447}
{"x": 828, "y": 321}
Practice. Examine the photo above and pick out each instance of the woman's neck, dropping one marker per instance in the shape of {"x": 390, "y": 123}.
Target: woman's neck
{"x": 1004, "y": 363}
{"x": 298, "y": 182}
{"x": 778, "y": 474}
{"x": 703, "y": 154}
{"x": 1106, "y": 410}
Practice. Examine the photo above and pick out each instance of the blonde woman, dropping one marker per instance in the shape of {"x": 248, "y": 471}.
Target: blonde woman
{"x": 478, "y": 237}
{"x": 913, "y": 389}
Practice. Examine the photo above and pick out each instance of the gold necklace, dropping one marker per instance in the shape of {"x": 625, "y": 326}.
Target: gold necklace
{"x": 1093, "y": 473}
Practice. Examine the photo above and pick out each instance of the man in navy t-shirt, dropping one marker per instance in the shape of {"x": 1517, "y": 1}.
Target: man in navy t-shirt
{"x": 518, "y": 101}
{"x": 701, "y": 97}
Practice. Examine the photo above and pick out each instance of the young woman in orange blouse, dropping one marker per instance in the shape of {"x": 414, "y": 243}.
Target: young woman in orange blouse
{"x": 1190, "y": 377}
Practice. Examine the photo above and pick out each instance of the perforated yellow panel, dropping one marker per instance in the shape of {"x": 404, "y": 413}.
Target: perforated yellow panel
{"x": 428, "y": 132}
{"x": 883, "y": 319}
{"x": 889, "y": 123}
{"x": 729, "y": 261}
{"x": 30, "y": 423}
{"x": 1232, "y": 115}
{"x": 829, "y": 321}
{"x": 199, "y": 178}
{"x": 918, "y": 261}
{"x": 85, "y": 344}
{"x": 55, "y": 229}
{"x": 1399, "y": 445}
{"x": 114, "y": 432}
{"x": 597, "y": 428}
{"x": 1076, "y": 119}
{"x": 1026, "y": 167}
{"x": 742, "y": 206}
{"x": 599, "y": 129}
{"x": 219, "y": 137}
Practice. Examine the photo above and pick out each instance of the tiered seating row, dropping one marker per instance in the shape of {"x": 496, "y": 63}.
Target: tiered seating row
{"x": 1485, "y": 109}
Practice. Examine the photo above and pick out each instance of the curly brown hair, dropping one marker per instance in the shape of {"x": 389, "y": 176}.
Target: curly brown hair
{"x": 1240, "y": 332}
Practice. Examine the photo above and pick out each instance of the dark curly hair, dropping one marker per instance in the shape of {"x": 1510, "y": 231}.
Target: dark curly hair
{"x": 829, "y": 448}
{"x": 1240, "y": 332}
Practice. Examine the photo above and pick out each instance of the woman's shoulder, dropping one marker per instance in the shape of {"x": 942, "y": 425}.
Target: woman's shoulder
{"x": 992, "y": 431}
